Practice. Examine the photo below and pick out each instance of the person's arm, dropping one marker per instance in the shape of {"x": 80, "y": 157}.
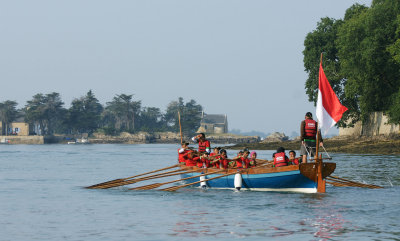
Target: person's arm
{"x": 302, "y": 130}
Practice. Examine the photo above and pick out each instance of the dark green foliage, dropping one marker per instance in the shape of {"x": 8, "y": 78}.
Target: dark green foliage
{"x": 84, "y": 115}
{"x": 361, "y": 58}
{"x": 121, "y": 113}
{"x": 46, "y": 112}
{"x": 190, "y": 113}
{"x": 8, "y": 113}
{"x": 151, "y": 120}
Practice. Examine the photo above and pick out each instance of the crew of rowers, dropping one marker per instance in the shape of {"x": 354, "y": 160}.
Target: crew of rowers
{"x": 204, "y": 158}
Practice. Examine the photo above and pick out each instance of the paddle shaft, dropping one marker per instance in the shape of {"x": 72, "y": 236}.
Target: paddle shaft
{"x": 351, "y": 183}
{"x": 123, "y": 179}
{"x": 155, "y": 185}
{"x": 130, "y": 181}
{"x": 142, "y": 179}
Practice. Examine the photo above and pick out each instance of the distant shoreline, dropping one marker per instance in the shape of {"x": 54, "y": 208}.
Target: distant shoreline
{"x": 127, "y": 138}
{"x": 382, "y": 145}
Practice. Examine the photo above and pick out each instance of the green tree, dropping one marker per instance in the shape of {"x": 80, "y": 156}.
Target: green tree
{"x": 8, "y": 113}
{"x": 360, "y": 55}
{"x": 84, "y": 115}
{"x": 121, "y": 113}
{"x": 190, "y": 113}
{"x": 372, "y": 75}
{"x": 151, "y": 119}
{"x": 45, "y": 112}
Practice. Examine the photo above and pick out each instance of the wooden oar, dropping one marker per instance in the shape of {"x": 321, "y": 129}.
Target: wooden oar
{"x": 358, "y": 183}
{"x": 131, "y": 181}
{"x": 115, "y": 184}
{"x": 155, "y": 185}
{"x": 123, "y": 179}
{"x": 337, "y": 181}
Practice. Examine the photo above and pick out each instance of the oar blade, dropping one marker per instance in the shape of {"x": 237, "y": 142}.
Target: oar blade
{"x": 103, "y": 183}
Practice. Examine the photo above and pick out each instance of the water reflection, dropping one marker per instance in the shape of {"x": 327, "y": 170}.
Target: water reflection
{"x": 316, "y": 217}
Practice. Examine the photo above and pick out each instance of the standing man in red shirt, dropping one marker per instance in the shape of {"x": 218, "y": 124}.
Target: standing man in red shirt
{"x": 309, "y": 131}
{"x": 204, "y": 144}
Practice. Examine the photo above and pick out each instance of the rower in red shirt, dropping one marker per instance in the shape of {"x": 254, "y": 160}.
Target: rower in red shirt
{"x": 204, "y": 144}
{"x": 253, "y": 159}
{"x": 223, "y": 160}
{"x": 292, "y": 158}
{"x": 245, "y": 159}
{"x": 182, "y": 152}
{"x": 202, "y": 160}
{"x": 191, "y": 160}
{"x": 239, "y": 160}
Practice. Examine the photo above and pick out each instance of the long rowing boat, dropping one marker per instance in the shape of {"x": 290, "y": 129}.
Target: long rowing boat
{"x": 294, "y": 178}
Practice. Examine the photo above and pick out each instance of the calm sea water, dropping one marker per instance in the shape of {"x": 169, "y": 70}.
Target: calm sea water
{"x": 42, "y": 198}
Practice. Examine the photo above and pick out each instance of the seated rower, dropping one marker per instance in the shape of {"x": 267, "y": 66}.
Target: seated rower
{"x": 215, "y": 151}
{"x": 223, "y": 161}
{"x": 292, "y": 158}
{"x": 202, "y": 160}
{"x": 183, "y": 152}
{"x": 191, "y": 159}
{"x": 280, "y": 159}
{"x": 238, "y": 159}
{"x": 247, "y": 163}
{"x": 253, "y": 158}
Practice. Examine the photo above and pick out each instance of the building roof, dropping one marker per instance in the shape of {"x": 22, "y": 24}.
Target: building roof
{"x": 213, "y": 119}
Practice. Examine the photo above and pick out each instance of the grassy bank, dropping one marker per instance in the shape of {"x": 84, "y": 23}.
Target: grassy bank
{"x": 361, "y": 145}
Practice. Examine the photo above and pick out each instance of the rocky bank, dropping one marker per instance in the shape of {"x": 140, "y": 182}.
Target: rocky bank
{"x": 382, "y": 145}
{"x": 168, "y": 137}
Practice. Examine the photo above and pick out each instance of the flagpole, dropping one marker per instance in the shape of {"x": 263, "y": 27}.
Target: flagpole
{"x": 317, "y": 141}
{"x": 320, "y": 182}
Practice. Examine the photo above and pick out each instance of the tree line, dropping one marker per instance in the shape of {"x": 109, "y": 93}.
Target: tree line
{"x": 47, "y": 115}
{"x": 361, "y": 59}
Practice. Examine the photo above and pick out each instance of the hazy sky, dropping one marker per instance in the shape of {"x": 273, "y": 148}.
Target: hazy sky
{"x": 240, "y": 58}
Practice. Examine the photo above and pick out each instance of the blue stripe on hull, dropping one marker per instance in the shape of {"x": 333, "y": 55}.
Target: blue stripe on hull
{"x": 274, "y": 181}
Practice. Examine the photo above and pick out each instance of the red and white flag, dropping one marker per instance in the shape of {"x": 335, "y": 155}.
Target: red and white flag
{"x": 329, "y": 109}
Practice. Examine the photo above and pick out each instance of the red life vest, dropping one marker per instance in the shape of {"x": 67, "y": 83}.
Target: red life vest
{"x": 199, "y": 162}
{"x": 203, "y": 145}
{"x": 246, "y": 162}
{"x": 182, "y": 156}
{"x": 294, "y": 161}
{"x": 310, "y": 128}
{"x": 216, "y": 164}
{"x": 224, "y": 163}
{"x": 280, "y": 160}
{"x": 239, "y": 162}
{"x": 191, "y": 162}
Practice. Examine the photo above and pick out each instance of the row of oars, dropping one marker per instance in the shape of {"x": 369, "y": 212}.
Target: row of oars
{"x": 341, "y": 182}
{"x": 134, "y": 179}
{"x": 143, "y": 177}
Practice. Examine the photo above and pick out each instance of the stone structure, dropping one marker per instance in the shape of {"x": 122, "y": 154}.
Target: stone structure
{"x": 377, "y": 124}
{"x": 211, "y": 123}
{"x": 34, "y": 140}
{"x": 16, "y": 128}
